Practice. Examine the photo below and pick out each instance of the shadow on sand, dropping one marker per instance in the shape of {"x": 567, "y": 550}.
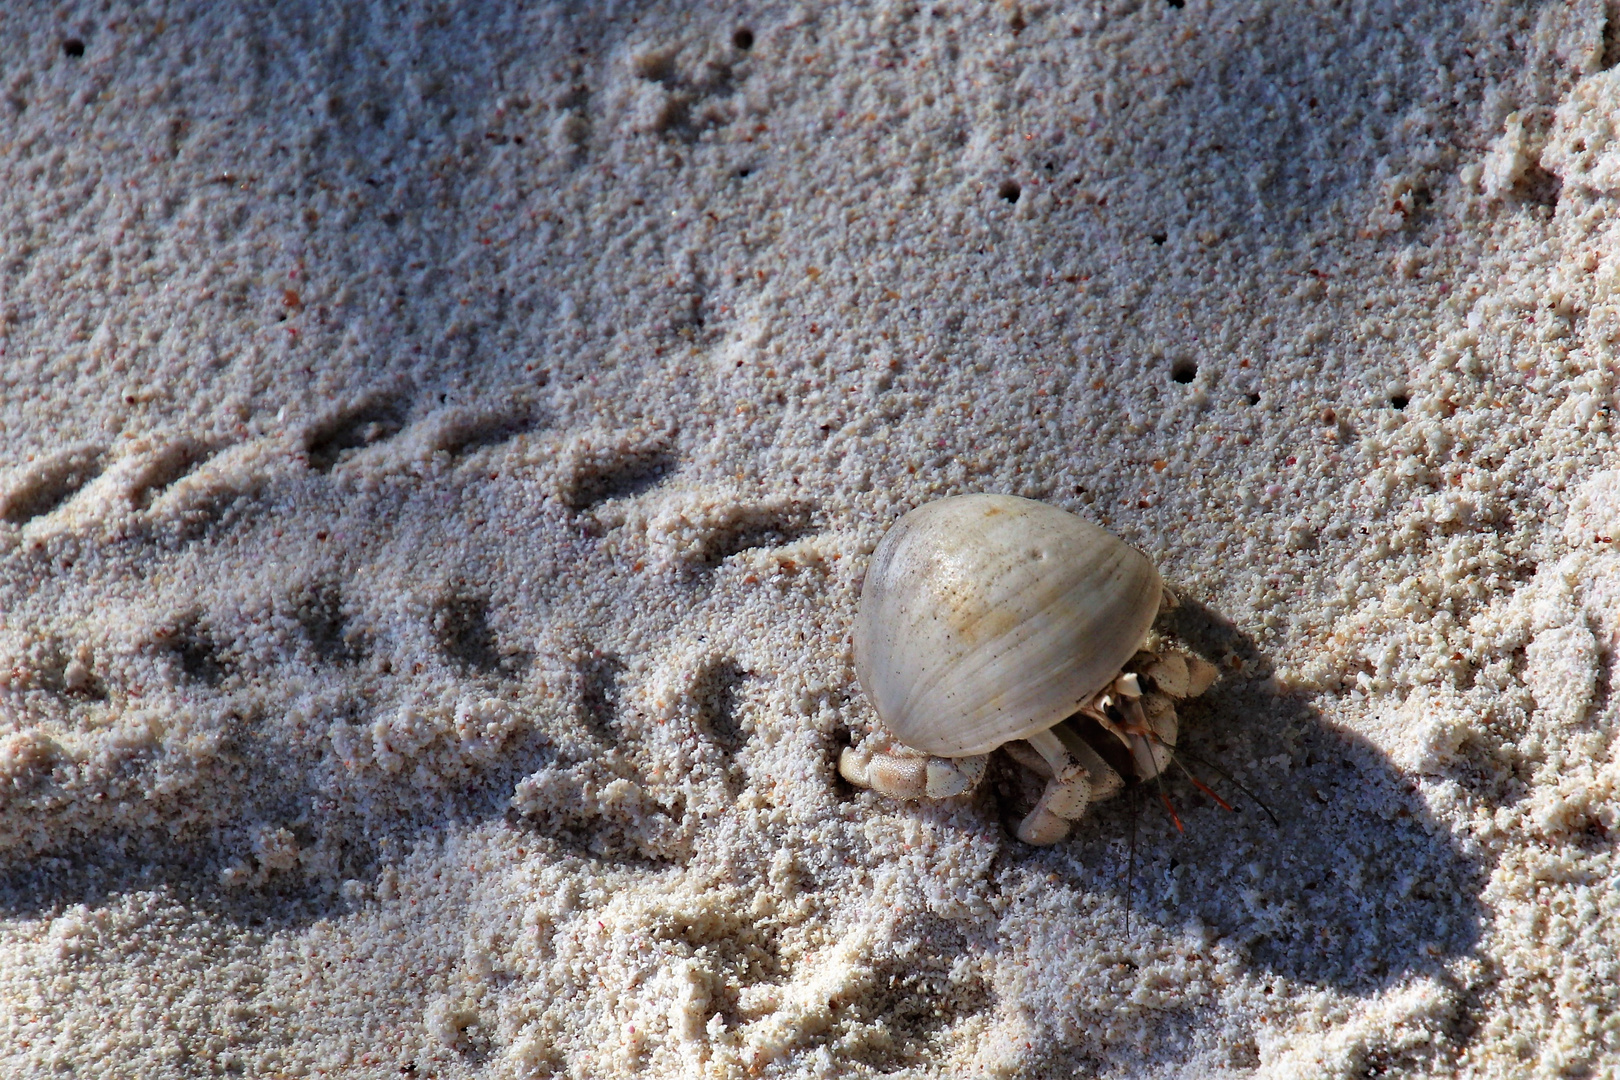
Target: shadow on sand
{"x": 1354, "y": 886}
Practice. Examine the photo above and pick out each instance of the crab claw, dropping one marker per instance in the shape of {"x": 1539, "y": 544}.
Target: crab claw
{"x": 1149, "y": 730}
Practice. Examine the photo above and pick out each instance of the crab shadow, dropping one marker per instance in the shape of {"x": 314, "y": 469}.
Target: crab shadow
{"x": 1354, "y": 886}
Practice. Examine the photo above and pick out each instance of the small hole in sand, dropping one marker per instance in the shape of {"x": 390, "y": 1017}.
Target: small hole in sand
{"x": 1159, "y": 238}
{"x": 1184, "y": 371}
{"x": 742, "y": 38}
{"x": 1253, "y": 398}
{"x": 1178, "y": 4}
{"x": 1399, "y": 401}
{"x": 1010, "y": 190}
{"x": 73, "y": 47}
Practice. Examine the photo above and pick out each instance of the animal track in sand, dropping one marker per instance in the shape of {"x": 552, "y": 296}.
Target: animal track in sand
{"x": 331, "y": 678}
{"x": 340, "y": 435}
{"x": 770, "y": 525}
{"x": 593, "y": 477}
{"x": 698, "y": 530}
{"x": 165, "y": 465}
{"x": 462, "y": 630}
{"x": 331, "y": 635}
{"x": 599, "y": 675}
{"x": 717, "y": 692}
{"x": 718, "y": 698}
{"x": 590, "y": 806}
{"x": 627, "y": 480}
{"x": 153, "y": 704}
{"x": 211, "y": 496}
{"x": 36, "y": 490}
{"x": 461, "y": 432}
{"x": 192, "y": 645}
{"x": 310, "y": 739}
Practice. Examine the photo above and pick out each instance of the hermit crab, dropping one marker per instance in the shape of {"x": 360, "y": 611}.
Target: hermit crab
{"x": 990, "y": 621}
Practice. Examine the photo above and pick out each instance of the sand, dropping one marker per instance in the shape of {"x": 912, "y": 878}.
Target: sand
{"x": 442, "y": 445}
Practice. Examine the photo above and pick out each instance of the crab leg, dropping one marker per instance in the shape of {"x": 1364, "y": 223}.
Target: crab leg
{"x": 1105, "y": 782}
{"x": 1066, "y": 796}
{"x": 912, "y": 777}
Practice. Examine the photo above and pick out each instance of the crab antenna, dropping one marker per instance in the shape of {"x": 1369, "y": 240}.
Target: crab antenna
{"x": 1230, "y": 779}
{"x": 1205, "y": 788}
{"x": 1130, "y": 862}
{"x": 1158, "y": 779}
{"x": 1177, "y": 753}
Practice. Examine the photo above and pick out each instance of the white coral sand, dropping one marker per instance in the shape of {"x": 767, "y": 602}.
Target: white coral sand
{"x": 442, "y": 443}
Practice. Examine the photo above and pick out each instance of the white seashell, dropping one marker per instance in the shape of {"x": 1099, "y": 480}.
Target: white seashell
{"x": 986, "y": 621}
{"x": 985, "y": 618}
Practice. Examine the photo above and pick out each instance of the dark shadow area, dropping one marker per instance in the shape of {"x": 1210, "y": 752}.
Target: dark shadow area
{"x": 716, "y": 690}
{"x": 201, "y": 657}
{"x": 599, "y": 692}
{"x": 1356, "y": 888}
{"x": 95, "y": 874}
